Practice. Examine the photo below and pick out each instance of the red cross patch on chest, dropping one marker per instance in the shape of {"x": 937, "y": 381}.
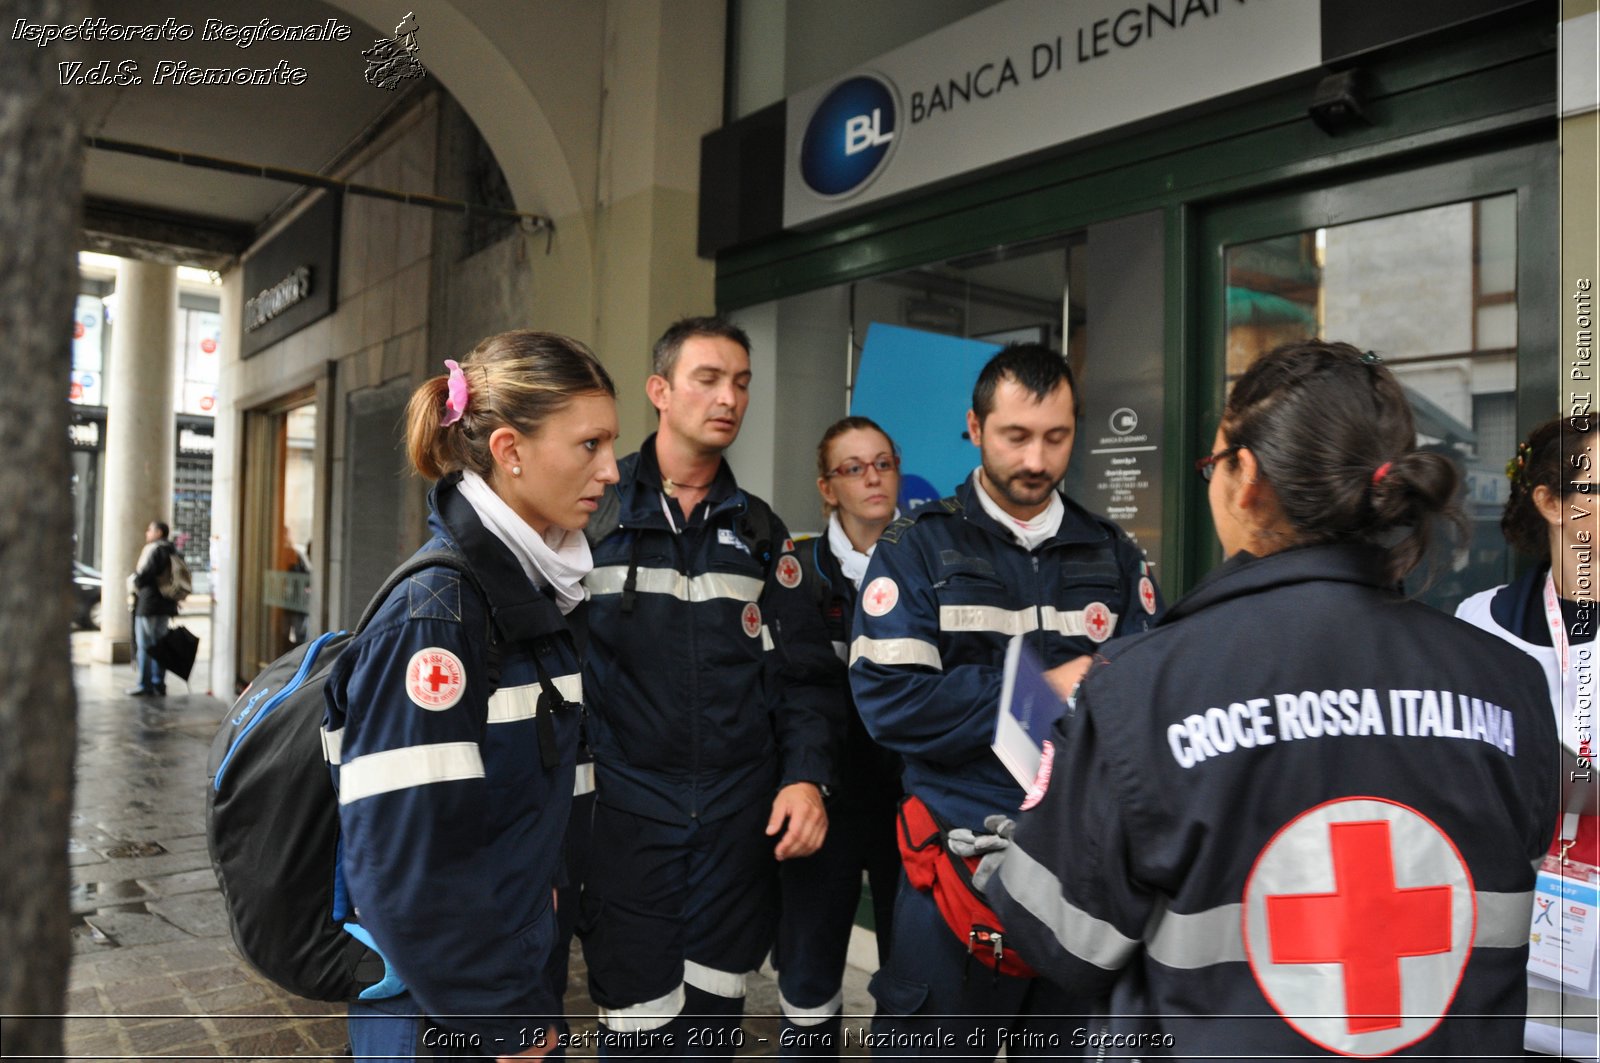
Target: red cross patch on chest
{"x": 1097, "y": 621}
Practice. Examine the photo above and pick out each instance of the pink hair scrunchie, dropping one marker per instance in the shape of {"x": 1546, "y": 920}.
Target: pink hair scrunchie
{"x": 456, "y": 404}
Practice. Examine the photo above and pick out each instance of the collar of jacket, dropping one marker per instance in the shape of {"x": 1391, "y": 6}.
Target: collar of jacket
{"x": 1244, "y": 573}
{"x": 520, "y": 610}
{"x": 1077, "y": 525}
{"x": 640, "y": 487}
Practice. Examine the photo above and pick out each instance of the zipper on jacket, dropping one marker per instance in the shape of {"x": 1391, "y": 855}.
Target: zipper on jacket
{"x": 1038, "y": 606}
{"x": 694, "y": 679}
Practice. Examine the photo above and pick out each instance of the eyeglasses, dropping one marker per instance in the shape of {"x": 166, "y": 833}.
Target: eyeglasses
{"x": 1207, "y": 465}
{"x": 852, "y": 469}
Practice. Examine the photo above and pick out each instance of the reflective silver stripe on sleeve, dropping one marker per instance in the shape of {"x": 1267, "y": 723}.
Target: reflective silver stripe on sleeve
{"x": 583, "y": 780}
{"x": 766, "y": 638}
{"x": 1198, "y": 939}
{"x": 510, "y": 704}
{"x": 842, "y": 651}
{"x": 651, "y": 1015}
{"x": 705, "y": 587}
{"x": 1503, "y": 920}
{"x": 1068, "y": 622}
{"x": 1091, "y": 940}
{"x": 896, "y": 651}
{"x": 726, "y": 984}
{"x": 332, "y": 745}
{"x": 570, "y": 687}
{"x": 402, "y": 769}
{"x": 811, "y": 1016}
{"x": 1216, "y": 935}
{"x": 990, "y": 618}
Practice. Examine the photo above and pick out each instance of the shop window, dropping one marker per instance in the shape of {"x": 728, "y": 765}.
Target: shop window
{"x": 281, "y": 479}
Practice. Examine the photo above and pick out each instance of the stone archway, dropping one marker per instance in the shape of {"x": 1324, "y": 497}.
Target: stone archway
{"x": 464, "y": 53}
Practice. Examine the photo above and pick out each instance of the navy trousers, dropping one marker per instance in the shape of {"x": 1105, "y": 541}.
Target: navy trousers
{"x": 820, "y": 894}
{"x": 674, "y": 917}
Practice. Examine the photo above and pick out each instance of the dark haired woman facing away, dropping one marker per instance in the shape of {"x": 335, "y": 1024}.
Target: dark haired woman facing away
{"x": 1303, "y": 809}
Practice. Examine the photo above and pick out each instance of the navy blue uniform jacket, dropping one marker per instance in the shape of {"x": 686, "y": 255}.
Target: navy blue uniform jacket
{"x": 946, "y": 590}
{"x": 710, "y": 679}
{"x": 451, "y": 822}
{"x": 1306, "y": 812}
{"x": 869, "y": 775}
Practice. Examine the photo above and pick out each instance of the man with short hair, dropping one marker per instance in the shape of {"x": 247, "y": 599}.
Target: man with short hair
{"x": 945, "y": 592}
{"x": 152, "y": 610}
{"x": 714, "y": 703}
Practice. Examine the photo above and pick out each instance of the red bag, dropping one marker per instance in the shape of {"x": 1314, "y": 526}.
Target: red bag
{"x": 932, "y": 868}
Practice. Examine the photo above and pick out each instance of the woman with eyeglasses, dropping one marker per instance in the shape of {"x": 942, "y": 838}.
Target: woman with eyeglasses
{"x": 1301, "y": 814}
{"x": 1549, "y": 613}
{"x": 858, "y": 476}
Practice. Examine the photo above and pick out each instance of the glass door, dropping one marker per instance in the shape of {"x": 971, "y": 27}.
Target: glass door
{"x": 1448, "y": 273}
{"x": 281, "y": 484}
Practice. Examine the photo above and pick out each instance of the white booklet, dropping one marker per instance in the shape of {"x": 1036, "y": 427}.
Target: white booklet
{"x": 1029, "y": 709}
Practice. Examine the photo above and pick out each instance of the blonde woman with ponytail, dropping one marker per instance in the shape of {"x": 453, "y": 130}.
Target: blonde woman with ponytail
{"x": 453, "y": 719}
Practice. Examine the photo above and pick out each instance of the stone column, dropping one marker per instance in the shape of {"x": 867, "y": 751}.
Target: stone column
{"x": 662, "y": 84}
{"x": 140, "y": 436}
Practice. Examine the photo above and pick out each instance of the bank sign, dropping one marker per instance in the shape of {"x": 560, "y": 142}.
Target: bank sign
{"x": 1022, "y": 77}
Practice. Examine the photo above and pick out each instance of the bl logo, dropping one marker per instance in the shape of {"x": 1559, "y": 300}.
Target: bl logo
{"x": 850, "y": 136}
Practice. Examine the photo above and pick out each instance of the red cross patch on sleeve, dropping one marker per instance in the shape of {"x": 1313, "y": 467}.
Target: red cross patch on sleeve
{"x": 435, "y": 678}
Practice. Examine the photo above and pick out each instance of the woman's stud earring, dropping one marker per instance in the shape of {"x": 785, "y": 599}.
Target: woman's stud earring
{"x": 516, "y": 470}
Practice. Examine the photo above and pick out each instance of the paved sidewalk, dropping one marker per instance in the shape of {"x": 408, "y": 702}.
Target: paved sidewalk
{"x": 154, "y": 972}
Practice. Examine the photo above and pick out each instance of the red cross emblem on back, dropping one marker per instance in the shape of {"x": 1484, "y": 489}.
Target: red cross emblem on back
{"x": 1358, "y": 951}
{"x": 1365, "y": 927}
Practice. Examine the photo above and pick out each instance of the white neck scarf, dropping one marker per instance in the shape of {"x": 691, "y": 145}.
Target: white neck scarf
{"x": 559, "y": 559}
{"x": 1030, "y": 533}
{"x": 852, "y": 562}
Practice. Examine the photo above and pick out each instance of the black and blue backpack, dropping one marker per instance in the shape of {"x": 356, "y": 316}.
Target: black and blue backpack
{"x": 272, "y": 818}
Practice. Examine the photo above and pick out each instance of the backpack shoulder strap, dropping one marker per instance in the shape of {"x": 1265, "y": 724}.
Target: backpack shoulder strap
{"x": 757, "y": 525}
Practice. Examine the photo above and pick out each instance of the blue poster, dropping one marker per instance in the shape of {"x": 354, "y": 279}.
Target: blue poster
{"x": 918, "y": 386}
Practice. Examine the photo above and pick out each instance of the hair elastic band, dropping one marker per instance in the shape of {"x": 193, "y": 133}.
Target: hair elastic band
{"x": 1380, "y": 472}
{"x": 1517, "y": 467}
{"x": 456, "y": 404}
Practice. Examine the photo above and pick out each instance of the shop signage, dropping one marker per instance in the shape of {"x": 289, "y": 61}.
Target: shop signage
{"x": 270, "y": 302}
{"x": 1021, "y": 77}
{"x": 290, "y": 280}
{"x": 1117, "y": 460}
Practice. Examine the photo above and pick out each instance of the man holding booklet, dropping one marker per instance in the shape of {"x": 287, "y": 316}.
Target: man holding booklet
{"x": 1007, "y": 555}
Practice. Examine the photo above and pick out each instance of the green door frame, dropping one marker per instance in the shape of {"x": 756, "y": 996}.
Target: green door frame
{"x": 1527, "y": 169}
